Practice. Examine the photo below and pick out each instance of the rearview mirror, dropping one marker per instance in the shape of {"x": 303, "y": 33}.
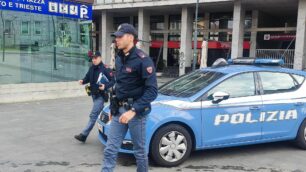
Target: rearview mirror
{"x": 219, "y": 96}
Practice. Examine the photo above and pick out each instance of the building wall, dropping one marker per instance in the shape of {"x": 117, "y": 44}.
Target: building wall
{"x": 271, "y": 18}
{"x": 119, "y": 4}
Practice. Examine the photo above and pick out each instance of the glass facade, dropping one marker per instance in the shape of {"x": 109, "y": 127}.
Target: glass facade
{"x": 37, "y": 48}
{"x": 174, "y": 28}
{"x": 157, "y": 22}
{"x": 119, "y": 20}
{"x": 225, "y": 21}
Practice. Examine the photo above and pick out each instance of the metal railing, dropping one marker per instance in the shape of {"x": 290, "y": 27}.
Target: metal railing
{"x": 286, "y": 55}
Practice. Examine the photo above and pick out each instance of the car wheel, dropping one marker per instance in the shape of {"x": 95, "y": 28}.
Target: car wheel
{"x": 301, "y": 136}
{"x": 171, "y": 145}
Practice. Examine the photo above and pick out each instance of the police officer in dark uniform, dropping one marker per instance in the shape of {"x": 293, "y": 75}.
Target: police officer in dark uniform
{"x": 135, "y": 89}
{"x": 98, "y": 91}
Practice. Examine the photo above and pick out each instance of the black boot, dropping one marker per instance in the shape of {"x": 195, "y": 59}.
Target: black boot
{"x": 81, "y": 138}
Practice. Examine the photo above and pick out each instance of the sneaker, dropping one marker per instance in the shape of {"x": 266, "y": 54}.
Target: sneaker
{"x": 81, "y": 138}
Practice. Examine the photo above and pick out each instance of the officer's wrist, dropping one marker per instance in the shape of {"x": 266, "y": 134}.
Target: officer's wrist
{"x": 133, "y": 110}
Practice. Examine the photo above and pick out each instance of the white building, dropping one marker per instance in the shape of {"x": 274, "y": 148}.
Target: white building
{"x": 234, "y": 28}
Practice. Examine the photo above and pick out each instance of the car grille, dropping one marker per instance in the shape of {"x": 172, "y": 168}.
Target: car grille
{"x": 127, "y": 146}
{"x": 104, "y": 117}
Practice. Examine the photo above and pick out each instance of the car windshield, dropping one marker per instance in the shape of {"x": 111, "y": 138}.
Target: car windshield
{"x": 189, "y": 84}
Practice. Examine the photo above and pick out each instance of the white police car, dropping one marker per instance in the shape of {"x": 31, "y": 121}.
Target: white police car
{"x": 249, "y": 101}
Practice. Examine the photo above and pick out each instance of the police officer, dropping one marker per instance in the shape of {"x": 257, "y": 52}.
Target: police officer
{"x": 97, "y": 91}
{"x": 135, "y": 89}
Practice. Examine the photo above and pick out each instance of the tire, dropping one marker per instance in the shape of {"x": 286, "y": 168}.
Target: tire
{"x": 300, "y": 140}
{"x": 171, "y": 145}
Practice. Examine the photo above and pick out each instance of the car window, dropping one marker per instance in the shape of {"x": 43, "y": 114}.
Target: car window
{"x": 273, "y": 82}
{"x": 190, "y": 84}
{"x": 241, "y": 85}
{"x": 299, "y": 79}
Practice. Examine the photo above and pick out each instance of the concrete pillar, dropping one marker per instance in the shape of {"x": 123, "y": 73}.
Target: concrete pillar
{"x": 238, "y": 29}
{"x": 186, "y": 40}
{"x": 165, "y": 45}
{"x": 144, "y": 30}
{"x": 300, "y": 45}
{"x": 106, "y": 39}
{"x": 99, "y": 36}
{"x": 254, "y": 33}
{"x": 206, "y": 26}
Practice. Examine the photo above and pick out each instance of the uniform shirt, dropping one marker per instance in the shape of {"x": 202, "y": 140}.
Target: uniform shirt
{"x": 136, "y": 78}
{"x": 92, "y": 77}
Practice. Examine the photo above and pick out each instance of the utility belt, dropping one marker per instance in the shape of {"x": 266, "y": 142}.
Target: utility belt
{"x": 104, "y": 94}
{"x": 127, "y": 104}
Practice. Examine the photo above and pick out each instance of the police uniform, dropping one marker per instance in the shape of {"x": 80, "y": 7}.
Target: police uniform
{"x": 136, "y": 85}
{"x": 92, "y": 76}
{"x": 136, "y": 79}
{"x": 98, "y": 96}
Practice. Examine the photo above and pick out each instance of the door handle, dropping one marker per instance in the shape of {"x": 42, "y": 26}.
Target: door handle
{"x": 254, "y": 107}
{"x": 299, "y": 104}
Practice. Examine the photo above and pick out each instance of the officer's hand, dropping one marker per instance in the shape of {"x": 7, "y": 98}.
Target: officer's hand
{"x": 102, "y": 87}
{"x": 81, "y": 82}
{"x": 126, "y": 117}
{"x": 110, "y": 117}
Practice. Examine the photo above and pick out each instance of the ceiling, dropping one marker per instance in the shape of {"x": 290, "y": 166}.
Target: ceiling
{"x": 271, "y": 7}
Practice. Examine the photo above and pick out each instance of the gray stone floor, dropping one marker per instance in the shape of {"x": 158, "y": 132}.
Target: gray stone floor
{"x": 38, "y": 137}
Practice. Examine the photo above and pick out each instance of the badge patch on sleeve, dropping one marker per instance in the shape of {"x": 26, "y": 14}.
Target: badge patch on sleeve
{"x": 150, "y": 69}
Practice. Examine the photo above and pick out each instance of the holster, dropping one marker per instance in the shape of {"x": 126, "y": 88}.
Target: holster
{"x": 129, "y": 105}
{"x": 105, "y": 96}
{"x": 87, "y": 89}
{"x": 114, "y": 105}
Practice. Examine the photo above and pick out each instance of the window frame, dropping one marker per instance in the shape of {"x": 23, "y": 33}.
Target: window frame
{"x": 8, "y": 31}
{"x": 256, "y": 84}
{"x": 304, "y": 78}
{"x": 290, "y": 74}
{"x": 29, "y": 28}
{"x": 35, "y": 27}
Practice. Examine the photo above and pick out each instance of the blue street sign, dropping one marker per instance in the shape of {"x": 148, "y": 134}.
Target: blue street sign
{"x": 49, "y": 7}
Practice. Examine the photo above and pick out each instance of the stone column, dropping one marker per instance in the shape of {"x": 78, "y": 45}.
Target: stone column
{"x": 186, "y": 40}
{"x": 106, "y": 39}
{"x": 238, "y": 29}
{"x": 300, "y": 44}
{"x": 166, "y": 34}
{"x": 254, "y": 33}
{"x": 144, "y": 30}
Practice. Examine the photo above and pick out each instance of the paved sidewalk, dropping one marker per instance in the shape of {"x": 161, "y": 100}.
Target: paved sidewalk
{"x": 38, "y": 137}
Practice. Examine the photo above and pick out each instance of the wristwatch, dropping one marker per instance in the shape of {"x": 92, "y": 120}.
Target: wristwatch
{"x": 133, "y": 109}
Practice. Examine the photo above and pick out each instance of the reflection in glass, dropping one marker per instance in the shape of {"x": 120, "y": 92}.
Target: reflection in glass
{"x": 41, "y": 48}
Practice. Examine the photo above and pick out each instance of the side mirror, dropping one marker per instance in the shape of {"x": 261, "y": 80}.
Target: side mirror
{"x": 219, "y": 96}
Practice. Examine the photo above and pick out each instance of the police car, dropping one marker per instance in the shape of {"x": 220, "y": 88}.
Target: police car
{"x": 247, "y": 101}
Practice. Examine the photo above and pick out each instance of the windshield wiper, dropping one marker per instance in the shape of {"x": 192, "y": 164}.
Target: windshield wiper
{"x": 166, "y": 92}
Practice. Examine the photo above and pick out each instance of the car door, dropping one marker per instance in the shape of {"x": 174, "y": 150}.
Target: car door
{"x": 235, "y": 120}
{"x": 282, "y": 104}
